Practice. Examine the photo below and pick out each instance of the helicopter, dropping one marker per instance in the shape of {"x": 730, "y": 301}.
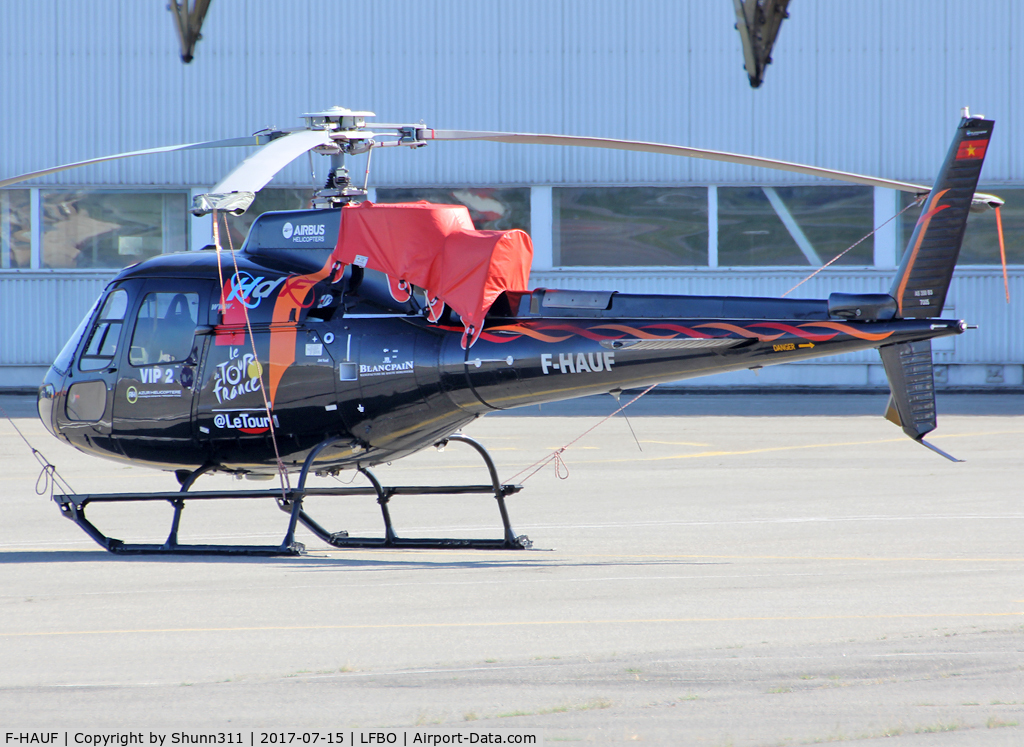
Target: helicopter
{"x": 353, "y": 334}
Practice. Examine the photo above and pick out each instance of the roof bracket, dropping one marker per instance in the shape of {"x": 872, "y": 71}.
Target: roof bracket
{"x": 758, "y": 22}
{"x": 188, "y": 23}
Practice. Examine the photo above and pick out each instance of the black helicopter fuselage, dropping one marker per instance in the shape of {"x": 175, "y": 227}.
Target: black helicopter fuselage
{"x": 345, "y": 337}
{"x": 158, "y": 375}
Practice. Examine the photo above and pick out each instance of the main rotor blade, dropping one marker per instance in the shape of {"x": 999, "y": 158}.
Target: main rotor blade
{"x": 671, "y": 150}
{"x": 252, "y": 174}
{"x": 259, "y": 139}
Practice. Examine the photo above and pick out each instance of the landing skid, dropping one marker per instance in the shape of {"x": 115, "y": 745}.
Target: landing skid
{"x": 290, "y": 501}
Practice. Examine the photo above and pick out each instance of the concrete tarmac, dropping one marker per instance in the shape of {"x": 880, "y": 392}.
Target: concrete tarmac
{"x": 718, "y": 570}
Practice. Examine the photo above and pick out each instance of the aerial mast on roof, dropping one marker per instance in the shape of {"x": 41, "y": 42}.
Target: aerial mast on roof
{"x": 188, "y": 23}
{"x": 758, "y": 22}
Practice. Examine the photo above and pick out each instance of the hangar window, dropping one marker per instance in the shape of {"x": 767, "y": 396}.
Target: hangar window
{"x": 15, "y": 229}
{"x": 716, "y": 227}
{"x": 793, "y": 226}
{"x": 624, "y": 226}
{"x": 87, "y": 229}
{"x": 267, "y": 199}
{"x": 492, "y": 209}
{"x": 981, "y": 239}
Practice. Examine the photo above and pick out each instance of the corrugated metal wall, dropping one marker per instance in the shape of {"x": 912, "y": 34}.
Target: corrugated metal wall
{"x": 40, "y": 310}
{"x": 976, "y": 296}
{"x": 873, "y": 87}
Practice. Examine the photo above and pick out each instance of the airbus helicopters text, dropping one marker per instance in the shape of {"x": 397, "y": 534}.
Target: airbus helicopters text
{"x": 353, "y": 334}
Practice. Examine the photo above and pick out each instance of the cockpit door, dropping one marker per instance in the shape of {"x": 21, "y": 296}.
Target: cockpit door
{"x": 153, "y": 403}
{"x": 85, "y": 406}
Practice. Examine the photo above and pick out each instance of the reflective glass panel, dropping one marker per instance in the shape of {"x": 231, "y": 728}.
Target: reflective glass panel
{"x": 267, "y": 200}
{"x": 164, "y": 328}
{"x": 490, "y": 209}
{"x": 87, "y": 401}
{"x": 62, "y": 364}
{"x": 981, "y": 239}
{"x": 102, "y": 345}
{"x": 84, "y": 229}
{"x": 15, "y": 229}
{"x": 623, "y": 226}
{"x": 752, "y": 225}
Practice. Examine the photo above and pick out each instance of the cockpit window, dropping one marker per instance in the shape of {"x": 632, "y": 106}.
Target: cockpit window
{"x": 165, "y": 328}
{"x": 102, "y": 346}
{"x": 62, "y": 364}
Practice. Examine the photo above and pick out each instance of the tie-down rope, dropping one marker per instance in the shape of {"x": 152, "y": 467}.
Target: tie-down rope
{"x": 561, "y": 468}
{"x": 281, "y": 469}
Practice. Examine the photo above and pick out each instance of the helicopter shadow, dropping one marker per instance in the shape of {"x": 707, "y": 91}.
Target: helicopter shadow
{"x": 547, "y": 562}
{"x": 26, "y": 557}
{"x": 316, "y": 563}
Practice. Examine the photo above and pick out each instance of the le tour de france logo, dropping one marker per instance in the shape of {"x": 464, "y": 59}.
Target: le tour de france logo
{"x": 238, "y": 375}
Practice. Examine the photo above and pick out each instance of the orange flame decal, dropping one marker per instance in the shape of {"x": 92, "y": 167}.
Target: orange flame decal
{"x": 639, "y": 333}
{"x": 850, "y": 330}
{"x": 922, "y": 222}
{"x": 284, "y": 332}
{"x": 520, "y": 330}
{"x": 740, "y": 331}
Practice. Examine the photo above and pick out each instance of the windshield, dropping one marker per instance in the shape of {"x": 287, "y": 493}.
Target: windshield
{"x": 62, "y": 364}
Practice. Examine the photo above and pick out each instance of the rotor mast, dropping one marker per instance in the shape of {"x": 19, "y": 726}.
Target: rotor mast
{"x": 349, "y": 137}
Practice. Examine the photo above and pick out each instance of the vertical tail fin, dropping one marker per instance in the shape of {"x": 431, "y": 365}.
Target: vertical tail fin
{"x": 922, "y": 282}
{"x": 924, "y": 275}
{"x": 908, "y": 366}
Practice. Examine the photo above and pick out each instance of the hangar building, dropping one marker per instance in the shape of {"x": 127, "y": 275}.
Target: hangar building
{"x": 874, "y": 87}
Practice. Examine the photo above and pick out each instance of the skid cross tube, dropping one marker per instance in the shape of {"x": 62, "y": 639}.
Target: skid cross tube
{"x": 384, "y": 494}
{"x": 73, "y": 507}
{"x": 290, "y": 500}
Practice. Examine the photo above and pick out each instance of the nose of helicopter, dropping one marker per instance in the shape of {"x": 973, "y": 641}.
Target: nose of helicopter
{"x": 44, "y": 402}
